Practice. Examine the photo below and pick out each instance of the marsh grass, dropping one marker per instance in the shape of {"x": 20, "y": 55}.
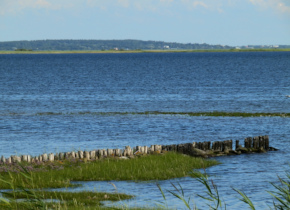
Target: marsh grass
{"x": 68, "y": 199}
{"x": 34, "y": 198}
{"x": 197, "y": 114}
{"x": 212, "y": 198}
{"x": 27, "y": 183}
{"x": 141, "y": 168}
{"x": 281, "y": 197}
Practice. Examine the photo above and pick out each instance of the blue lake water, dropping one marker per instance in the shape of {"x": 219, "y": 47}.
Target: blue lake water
{"x": 41, "y": 97}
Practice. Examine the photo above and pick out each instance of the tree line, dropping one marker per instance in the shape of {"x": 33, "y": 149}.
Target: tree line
{"x": 40, "y": 45}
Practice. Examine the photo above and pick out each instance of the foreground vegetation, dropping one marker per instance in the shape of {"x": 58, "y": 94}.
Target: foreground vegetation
{"x": 213, "y": 200}
{"x": 35, "y": 199}
{"x": 38, "y": 199}
{"x": 27, "y": 181}
{"x": 26, "y": 184}
{"x": 141, "y": 168}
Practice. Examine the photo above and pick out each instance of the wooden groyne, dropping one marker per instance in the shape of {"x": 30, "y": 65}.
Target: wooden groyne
{"x": 258, "y": 144}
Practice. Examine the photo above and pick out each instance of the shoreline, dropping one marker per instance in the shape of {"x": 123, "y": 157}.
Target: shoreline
{"x": 139, "y": 51}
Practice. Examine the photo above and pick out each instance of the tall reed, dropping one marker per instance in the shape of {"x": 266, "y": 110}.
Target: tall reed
{"x": 281, "y": 197}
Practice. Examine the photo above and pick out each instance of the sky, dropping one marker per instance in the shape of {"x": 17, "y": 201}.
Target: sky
{"x": 225, "y": 22}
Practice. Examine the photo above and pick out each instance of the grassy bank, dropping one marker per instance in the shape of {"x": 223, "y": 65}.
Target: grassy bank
{"x": 142, "y": 51}
{"x": 28, "y": 181}
{"x": 143, "y": 168}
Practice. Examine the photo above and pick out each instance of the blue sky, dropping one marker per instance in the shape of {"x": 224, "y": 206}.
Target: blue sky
{"x": 226, "y": 22}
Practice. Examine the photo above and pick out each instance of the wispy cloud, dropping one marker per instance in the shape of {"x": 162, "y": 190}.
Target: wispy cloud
{"x": 14, "y": 6}
{"x": 278, "y": 5}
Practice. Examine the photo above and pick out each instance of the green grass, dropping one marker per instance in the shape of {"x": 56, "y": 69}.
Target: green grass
{"x": 62, "y": 200}
{"x": 206, "y": 114}
{"x": 143, "y": 168}
{"x": 28, "y": 180}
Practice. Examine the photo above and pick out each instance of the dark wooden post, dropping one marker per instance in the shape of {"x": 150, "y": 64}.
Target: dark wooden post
{"x": 256, "y": 142}
{"x": 266, "y": 142}
{"x": 237, "y": 144}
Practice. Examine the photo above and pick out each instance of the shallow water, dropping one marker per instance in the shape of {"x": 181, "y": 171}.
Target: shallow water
{"x": 34, "y": 88}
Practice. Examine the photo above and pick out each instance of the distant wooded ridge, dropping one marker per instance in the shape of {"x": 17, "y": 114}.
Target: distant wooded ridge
{"x": 129, "y": 44}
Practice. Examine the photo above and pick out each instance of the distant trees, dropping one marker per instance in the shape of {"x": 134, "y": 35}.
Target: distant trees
{"x": 129, "y": 44}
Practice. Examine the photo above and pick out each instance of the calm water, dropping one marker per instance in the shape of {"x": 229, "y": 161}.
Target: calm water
{"x": 35, "y": 87}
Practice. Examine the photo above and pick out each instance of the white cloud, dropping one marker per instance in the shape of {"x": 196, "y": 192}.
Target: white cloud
{"x": 14, "y": 6}
{"x": 278, "y": 5}
{"x": 199, "y": 3}
{"x": 124, "y": 3}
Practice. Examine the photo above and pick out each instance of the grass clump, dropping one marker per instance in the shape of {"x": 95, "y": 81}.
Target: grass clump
{"x": 142, "y": 168}
{"x": 21, "y": 197}
{"x": 59, "y": 200}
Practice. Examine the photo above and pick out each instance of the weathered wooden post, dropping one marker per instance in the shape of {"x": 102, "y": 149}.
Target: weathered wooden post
{"x": 138, "y": 148}
{"x": 250, "y": 139}
{"x": 29, "y": 158}
{"x": 213, "y": 146}
{"x": 118, "y": 152}
{"x": 56, "y": 156}
{"x": 3, "y": 160}
{"x": 24, "y": 158}
{"x": 51, "y": 157}
{"x": 81, "y": 154}
{"x": 174, "y": 147}
{"x": 266, "y": 142}
{"x": 180, "y": 148}
{"x": 93, "y": 154}
{"x": 202, "y": 146}
{"x": 261, "y": 142}
{"x": 256, "y": 142}
{"x": 110, "y": 152}
{"x": 87, "y": 155}
{"x": 157, "y": 148}
{"x": 237, "y": 144}
{"x": 127, "y": 151}
{"x": 208, "y": 145}
{"x": 44, "y": 157}
{"x": 231, "y": 144}
{"x": 8, "y": 160}
{"x": 145, "y": 150}
{"x": 100, "y": 153}
{"x": 246, "y": 143}
{"x": 151, "y": 148}
{"x": 40, "y": 158}
{"x": 198, "y": 145}
{"x": 61, "y": 156}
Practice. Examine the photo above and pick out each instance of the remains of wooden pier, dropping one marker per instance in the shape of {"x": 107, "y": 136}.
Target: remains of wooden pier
{"x": 258, "y": 144}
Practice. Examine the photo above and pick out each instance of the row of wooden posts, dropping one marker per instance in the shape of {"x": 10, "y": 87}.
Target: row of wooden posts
{"x": 258, "y": 142}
